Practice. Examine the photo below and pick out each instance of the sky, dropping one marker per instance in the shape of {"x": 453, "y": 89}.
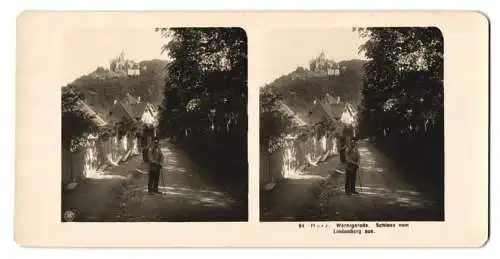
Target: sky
{"x": 286, "y": 49}
{"x": 84, "y": 50}
{"x": 273, "y": 52}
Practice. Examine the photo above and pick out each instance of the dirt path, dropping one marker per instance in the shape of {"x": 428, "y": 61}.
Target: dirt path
{"x": 186, "y": 196}
{"x": 288, "y": 199}
{"x": 384, "y": 195}
{"x": 319, "y": 195}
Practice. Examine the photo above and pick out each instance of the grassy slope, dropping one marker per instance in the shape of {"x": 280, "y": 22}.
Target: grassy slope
{"x": 300, "y": 89}
{"x": 100, "y": 88}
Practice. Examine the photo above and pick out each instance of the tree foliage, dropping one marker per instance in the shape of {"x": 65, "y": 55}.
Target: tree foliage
{"x": 273, "y": 121}
{"x": 299, "y": 89}
{"x": 205, "y": 91}
{"x": 208, "y": 65}
{"x": 101, "y": 87}
{"x": 402, "y": 94}
{"x": 75, "y": 123}
{"x": 303, "y": 83}
{"x": 126, "y": 126}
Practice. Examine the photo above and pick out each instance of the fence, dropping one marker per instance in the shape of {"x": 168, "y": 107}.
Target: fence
{"x": 87, "y": 161}
{"x": 290, "y": 156}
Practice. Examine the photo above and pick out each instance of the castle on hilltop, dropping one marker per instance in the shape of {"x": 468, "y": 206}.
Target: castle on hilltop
{"x": 122, "y": 65}
{"x": 325, "y": 67}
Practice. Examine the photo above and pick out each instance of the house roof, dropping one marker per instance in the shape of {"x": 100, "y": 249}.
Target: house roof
{"x": 295, "y": 117}
{"x": 317, "y": 114}
{"x": 118, "y": 111}
{"x": 96, "y": 118}
{"x": 133, "y": 111}
{"x": 309, "y": 113}
{"x": 334, "y": 110}
{"x": 128, "y": 108}
{"x": 129, "y": 99}
{"x": 138, "y": 109}
{"x": 330, "y": 99}
{"x": 351, "y": 109}
{"x": 154, "y": 107}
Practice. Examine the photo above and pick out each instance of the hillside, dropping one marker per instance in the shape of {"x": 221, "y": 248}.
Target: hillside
{"x": 101, "y": 87}
{"x": 300, "y": 89}
{"x": 302, "y": 97}
{"x": 309, "y": 86}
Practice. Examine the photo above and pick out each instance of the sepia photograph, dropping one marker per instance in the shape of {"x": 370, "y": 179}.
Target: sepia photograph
{"x": 352, "y": 125}
{"x": 154, "y": 125}
{"x": 252, "y": 129}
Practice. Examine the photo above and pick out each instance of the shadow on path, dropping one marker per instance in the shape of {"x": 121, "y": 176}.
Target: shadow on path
{"x": 384, "y": 195}
{"x": 120, "y": 194}
{"x": 185, "y": 195}
{"x": 319, "y": 195}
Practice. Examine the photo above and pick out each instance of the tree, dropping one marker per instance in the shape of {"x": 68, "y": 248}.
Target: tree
{"x": 100, "y": 70}
{"x": 100, "y": 88}
{"x": 205, "y": 93}
{"x": 273, "y": 122}
{"x": 125, "y": 126}
{"x": 300, "y": 70}
{"x": 208, "y": 64}
{"x": 402, "y": 94}
{"x": 403, "y": 78}
{"x": 312, "y": 65}
{"x": 74, "y": 122}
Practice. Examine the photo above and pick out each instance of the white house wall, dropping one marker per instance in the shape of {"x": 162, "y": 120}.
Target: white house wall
{"x": 347, "y": 118}
{"x": 148, "y": 118}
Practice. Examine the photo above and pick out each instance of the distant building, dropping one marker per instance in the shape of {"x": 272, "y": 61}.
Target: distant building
{"x": 121, "y": 65}
{"x": 333, "y": 71}
{"x": 322, "y": 66}
{"x": 337, "y": 109}
{"x": 134, "y": 71}
{"x": 134, "y": 109}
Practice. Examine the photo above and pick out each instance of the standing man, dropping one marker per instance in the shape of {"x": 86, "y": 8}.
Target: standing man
{"x": 145, "y": 145}
{"x": 352, "y": 159}
{"x": 155, "y": 166}
{"x": 341, "y": 144}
